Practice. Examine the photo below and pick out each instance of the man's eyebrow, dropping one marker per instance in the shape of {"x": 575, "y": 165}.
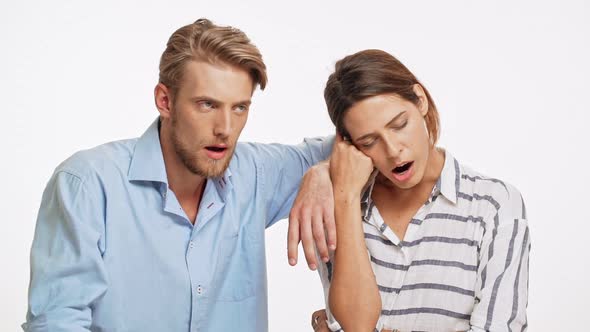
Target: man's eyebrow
{"x": 246, "y": 102}
{"x": 207, "y": 98}
{"x": 388, "y": 124}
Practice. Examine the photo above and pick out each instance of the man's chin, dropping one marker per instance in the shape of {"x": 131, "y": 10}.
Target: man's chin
{"x": 216, "y": 168}
{"x": 210, "y": 174}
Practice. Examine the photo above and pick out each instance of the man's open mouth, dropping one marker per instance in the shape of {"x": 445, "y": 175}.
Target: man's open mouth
{"x": 216, "y": 148}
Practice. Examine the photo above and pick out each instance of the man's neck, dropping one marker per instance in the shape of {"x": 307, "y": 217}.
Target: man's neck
{"x": 187, "y": 186}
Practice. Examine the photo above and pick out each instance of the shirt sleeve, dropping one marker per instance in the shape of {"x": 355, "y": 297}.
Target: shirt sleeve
{"x": 67, "y": 272}
{"x": 325, "y": 272}
{"x": 502, "y": 282}
{"x": 283, "y": 166}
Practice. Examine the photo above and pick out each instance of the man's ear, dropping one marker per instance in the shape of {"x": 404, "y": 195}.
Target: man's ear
{"x": 163, "y": 100}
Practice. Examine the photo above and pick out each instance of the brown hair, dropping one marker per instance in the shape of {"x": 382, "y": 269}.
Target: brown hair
{"x": 205, "y": 41}
{"x": 370, "y": 73}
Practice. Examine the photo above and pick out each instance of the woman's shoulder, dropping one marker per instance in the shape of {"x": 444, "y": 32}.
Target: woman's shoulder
{"x": 502, "y": 195}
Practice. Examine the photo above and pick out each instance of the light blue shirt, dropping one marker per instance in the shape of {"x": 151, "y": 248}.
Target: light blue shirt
{"x": 114, "y": 251}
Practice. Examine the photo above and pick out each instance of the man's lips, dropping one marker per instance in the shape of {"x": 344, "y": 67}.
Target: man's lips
{"x": 217, "y": 151}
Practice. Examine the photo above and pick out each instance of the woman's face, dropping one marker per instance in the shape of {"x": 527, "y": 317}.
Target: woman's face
{"x": 392, "y": 132}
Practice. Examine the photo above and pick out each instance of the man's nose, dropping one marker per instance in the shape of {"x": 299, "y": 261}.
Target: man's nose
{"x": 223, "y": 124}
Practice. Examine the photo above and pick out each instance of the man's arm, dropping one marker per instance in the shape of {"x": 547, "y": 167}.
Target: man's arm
{"x": 282, "y": 168}
{"x": 67, "y": 272}
{"x": 312, "y": 217}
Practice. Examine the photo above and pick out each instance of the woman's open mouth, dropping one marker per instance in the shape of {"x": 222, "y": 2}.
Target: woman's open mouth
{"x": 403, "y": 172}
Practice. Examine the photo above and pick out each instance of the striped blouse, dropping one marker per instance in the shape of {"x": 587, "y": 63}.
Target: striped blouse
{"x": 463, "y": 264}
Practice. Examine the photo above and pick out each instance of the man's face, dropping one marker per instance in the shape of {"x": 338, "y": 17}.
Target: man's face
{"x": 208, "y": 114}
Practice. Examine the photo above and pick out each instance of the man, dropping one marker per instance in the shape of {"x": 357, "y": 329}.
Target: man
{"x": 166, "y": 232}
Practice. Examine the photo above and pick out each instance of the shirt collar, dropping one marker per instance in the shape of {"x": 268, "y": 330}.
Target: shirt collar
{"x": 448, "y": 184}
{"x": 147, "y": 162}
{"x": 366, "y": 200}
{"x": 223, "y": 184}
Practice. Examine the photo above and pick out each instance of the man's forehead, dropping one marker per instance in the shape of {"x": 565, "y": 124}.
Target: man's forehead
{"x": 222, "y": 82}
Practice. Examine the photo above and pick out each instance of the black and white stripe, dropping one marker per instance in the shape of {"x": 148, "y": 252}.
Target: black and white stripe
{"x": 463, "y": 263}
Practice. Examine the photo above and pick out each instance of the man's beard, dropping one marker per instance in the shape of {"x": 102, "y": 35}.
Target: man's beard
{"x": 202, "y": 166}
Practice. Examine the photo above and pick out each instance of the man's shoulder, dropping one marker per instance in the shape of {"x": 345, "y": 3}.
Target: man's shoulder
{"x": 100, "y": 160}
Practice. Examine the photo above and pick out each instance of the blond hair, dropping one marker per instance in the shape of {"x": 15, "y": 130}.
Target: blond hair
{"x": 205, "y": 41}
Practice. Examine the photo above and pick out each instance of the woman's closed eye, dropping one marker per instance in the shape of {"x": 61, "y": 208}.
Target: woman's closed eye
{"x": 399, "y": 126}
{"x": 366, "y": 144}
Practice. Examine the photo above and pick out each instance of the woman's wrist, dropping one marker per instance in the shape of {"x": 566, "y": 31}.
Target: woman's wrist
{"x": 346, "y": 198}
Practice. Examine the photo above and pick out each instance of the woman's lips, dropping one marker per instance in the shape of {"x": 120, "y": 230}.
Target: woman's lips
{"x": 403, "y": 172}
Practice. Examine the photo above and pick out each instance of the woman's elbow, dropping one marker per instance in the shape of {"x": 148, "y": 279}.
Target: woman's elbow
{"x": 360, "y": 315}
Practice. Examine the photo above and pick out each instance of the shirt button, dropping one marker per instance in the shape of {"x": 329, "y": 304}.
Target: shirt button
{"x": 199, "y": 290}
{"x": 191, "y": 244}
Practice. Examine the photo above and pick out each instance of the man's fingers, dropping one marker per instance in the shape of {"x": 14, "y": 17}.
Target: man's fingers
{"x": 319, "y": 236}
{"x": 330, "y": 227}
{"x": 293, "y": 240}
{"x": 307, "y": 240}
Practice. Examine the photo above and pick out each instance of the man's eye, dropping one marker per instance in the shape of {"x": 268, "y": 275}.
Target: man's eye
{"x": 241, "y": 108}
{"x": 206, "y": 104}
{"x": 367, "y": 145}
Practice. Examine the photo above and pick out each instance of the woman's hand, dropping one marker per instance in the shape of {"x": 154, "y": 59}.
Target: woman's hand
{"x": 350, "y": 169}
{"x": 319, "y": 321}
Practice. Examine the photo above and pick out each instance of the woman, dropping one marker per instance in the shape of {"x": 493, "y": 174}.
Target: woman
{"x": 447, "y": 247}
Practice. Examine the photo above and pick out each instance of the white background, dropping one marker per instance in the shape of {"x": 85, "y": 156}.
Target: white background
{"x": 510, "y": 80}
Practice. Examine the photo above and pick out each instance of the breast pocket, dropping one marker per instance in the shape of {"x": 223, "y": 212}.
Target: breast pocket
{"x": 240, "y": 271}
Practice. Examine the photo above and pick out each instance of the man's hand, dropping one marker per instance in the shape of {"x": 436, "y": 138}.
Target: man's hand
{"x": 319, "y": 321}
{"x": 312, "y": 217}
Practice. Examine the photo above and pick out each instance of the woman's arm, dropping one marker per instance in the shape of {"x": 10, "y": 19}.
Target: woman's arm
{"x": 354, "y": 298}
{"x": 503, "y": 272}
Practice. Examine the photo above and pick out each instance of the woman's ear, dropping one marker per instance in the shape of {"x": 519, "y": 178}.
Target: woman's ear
{"x": 422, "y": 99}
